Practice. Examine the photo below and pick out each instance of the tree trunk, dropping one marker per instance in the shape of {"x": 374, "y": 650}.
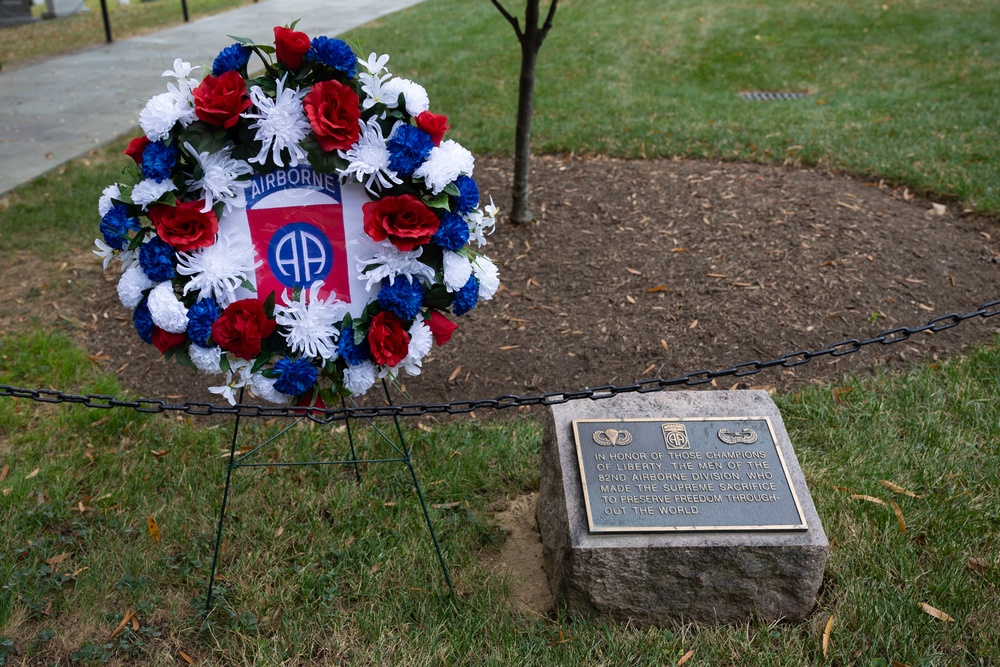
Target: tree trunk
{"x": 521, "y": 211}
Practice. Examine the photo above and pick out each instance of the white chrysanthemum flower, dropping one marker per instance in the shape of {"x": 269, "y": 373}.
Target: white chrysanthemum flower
{"x": 104, "y": 204}
{"x": 166, "y": 310}
{"x": 163, "y": 111}
{"x": 457, "y": 269}
{"x": 128, "y": 258}
{"x": 219, "y": 182}
{"x": 359, "y": 379}
{"x": 281, "y": 123}
{"x": 421, "y": 341}
{"x": 310, "y": 322}
{"x": 264, "y": 388}
{"x": 383, "y": 260}
{"x": 238, "y": 375}
{"x": 131, "y": 286}
{"x": 488, "y": 276}
{"x": 445, "y": 163}
{"x": 369, "y": 156}
{"x": 148, "y": 191}
{"x": 414, "y": 95}
{"x": 217, "y": 270}
{"x": 206, "y": 359}
{"x": 105, "y": 252}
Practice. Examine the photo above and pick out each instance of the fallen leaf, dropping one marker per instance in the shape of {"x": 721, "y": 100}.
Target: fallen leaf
{"x": 870, "y": 499}
{"x": 154, "y": 530}
{"x": 634, "y": 272}
{"x": 853, "y": 207}
{"x": 376, "y": 567}
{"x": 121, "y": 626}
{"x": 925, "y": 307}
{"x": 278, "y": 533}
{"x": 897, "y": 663}
{"x": 135, "y": 624}
{"x": 389, "y": 503}
{"x": 629, "y": 298}
{"x": 663, "y": 344}
{"x": 898, "y": 489}
{"x": 78, "y": 570}
{"x": 4, "y": 473}
{"x": 826, "y": 636}
{"x": 55, "y": 560}
{"x": 33, "y": 473}
{"x": 658, "y": 288}
{"x": 938, "y": 209}
{"x": 504, "y": 348}
{"x": 424, "y": 427}
{"x": 684, "y": 249}
{"x": 186, "y": 658}
{"x": 977, "y": 565}
{"x": 693, "y": 324}
{"x": 899, "y": 516}
{"x": 845, "y": 489}
{"x": 454, "y": 374}
{"x": 716, "y": 275}
{"x": 446, "y": 506}
{"x": 685, "y": 658}
{"x": 350, "y": 541}
{"x": 840, "y": 392}
{"x": 648, "y": 369}
{"x": 7, "y": 491}
{"x": 159, "y": 452}
{"x": 936, "y": 613}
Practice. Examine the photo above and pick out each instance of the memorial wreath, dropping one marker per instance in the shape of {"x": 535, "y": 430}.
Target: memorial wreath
{"x": 303, "y": 232}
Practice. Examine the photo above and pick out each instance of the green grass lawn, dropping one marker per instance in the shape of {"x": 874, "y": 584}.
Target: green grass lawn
{"x": 902, "y": 90}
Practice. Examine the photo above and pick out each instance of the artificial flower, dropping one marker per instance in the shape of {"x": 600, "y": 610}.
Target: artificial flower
{"x": 143, "y": 322}
{"x": 387, "y": 339}
{"x": 218, "y": 270}
{"x": 441, "y": 327}
{"x": 414, "y": 95}
{"x": 221, "y": 176}
{"x": 444, "y": 164}
{"x": 242, "y": 328}
{"x": 404, "y": 220}
{"x": 105, "y": 203}
{"x": 351, "y": 352}
{"x": 308, "y": 322}
{"x": 164, "y": 341}
{"x": 435, "y": 125}
{"x": 467, "y": 297}
{"x": 408, "y": 148}
{"x": 453, "y": 233}
{"x": 360, "y": 378}
{"x": 158, "y": 160}
{"x": 378, "y": 261}
{"x": 369, "y": 156}
{"x": 115, "y": 226}
{"x": 132, "y": 287}
{"x": 206, "y": 359}
{"x": 267, "y": 389}
{"x": 334, "y": 53}
{"x": 291, "y": 46}
{"x": 487, "y": 275}
{"x": 332, "y": 109}
{"x": 167, "y": 311}
{"x": 219, "y": 101}
{"x": 200, "y": 318}
{"x": 233, "y": 58}
{"x": 468, "y": 198}
{"x": 402, "y": 297}
{"x": 188, "y": 226}
{"x": 457, "y": 270}
{"x": 295, "y": 376}
{"x": 421, "y": 341}
{"x": 157, "y": 259}
{"x": 136, "y": 147}
{"x": 280, "y": 123}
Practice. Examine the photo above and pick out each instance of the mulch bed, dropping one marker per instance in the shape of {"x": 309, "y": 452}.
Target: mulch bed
{"x": 643, "y": 269}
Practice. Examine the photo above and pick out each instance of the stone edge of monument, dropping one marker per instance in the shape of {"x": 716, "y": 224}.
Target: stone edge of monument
{"x": 649, "y": 577}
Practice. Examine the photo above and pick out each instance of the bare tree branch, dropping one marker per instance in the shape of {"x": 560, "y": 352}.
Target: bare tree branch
{"x": 548, "y": 19}
{"x": 510, "y": 19}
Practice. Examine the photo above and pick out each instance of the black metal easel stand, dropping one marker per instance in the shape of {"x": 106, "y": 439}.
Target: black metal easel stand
{"x": 241, "y": 461}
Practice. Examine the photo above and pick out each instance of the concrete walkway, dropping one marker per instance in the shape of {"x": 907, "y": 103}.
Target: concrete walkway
{"x": 58, "y": 110}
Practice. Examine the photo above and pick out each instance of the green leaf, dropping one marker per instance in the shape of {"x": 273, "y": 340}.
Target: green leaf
{"x": 183, "y": 358}
{"x": 247, "y": 285}
{"x": 269, "y": 305}
{"x": 203, "y": 137}
{"x": 224, "y": 363}
{"x": 441, "y": 200}
{"x": 438, "y": 297}
{"x": 245, "y": 41}
{"x": 452, "y": 190}
{"x": 294, "y": 23}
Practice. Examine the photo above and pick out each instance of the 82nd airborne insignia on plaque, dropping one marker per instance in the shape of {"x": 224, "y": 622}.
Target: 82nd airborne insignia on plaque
{"x": 675, "y": 436}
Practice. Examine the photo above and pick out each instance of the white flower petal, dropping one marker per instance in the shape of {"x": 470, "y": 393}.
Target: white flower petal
{"x": 206, "y": 359}
{"x": 264, "y": 388}
{"x": 131, "y": 286}
{"x": 414, "y": 95}
{"x": 149, "y": 190}
{"x": 308, "y": 323}
{"x": 166, "y": 310}
{"x": 216, "y": 271}
{"x": 359, "y": 379}
{"x": 457, "y": 270}
{"x": 444, "y": 164}
{"x": 421, "y": 341}
{"x": 488, "y": 276}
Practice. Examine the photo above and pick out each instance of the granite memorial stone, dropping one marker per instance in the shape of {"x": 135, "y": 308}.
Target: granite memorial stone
{"x": 687, "y": 505}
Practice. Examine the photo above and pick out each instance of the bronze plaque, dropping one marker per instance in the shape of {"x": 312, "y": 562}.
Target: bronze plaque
{"x": 692, "y": 474}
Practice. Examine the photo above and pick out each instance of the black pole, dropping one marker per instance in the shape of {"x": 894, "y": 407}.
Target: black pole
{"x": 184, "y": 6}
{"x": 222, "y": 510}
{"x": 107, "y": 21}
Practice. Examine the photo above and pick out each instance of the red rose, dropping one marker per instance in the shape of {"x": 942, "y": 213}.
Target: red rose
{"x": 136, "y": 147}
{"x": 184, "y": 227}
{"x": 441, "y": 327}
{"x": 291, "y": 46}
{"x": 333, "y": 112}
{"x": 404, "y": 220}
{"x": 387, "y": 339}
{"x": 164, "y": 341}
{"x": 242, "y": 327}
{"x": 220, "y": 100}
{"x": 434, "y": 125}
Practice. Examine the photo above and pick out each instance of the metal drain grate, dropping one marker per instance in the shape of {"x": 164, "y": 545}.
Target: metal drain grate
{"x": 758, "y": 96}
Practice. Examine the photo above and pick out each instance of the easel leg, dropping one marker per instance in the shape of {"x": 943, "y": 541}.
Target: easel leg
{"x": 420, "y": 493}
{"x": 350, "y": 439}
{"x": 222, "y": 510}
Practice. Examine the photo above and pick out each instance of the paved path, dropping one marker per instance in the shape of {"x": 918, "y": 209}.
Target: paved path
{"x": 58, "y": 110}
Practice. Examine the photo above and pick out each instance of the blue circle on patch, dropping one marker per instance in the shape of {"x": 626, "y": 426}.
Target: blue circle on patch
{"x": 299, "y": 254}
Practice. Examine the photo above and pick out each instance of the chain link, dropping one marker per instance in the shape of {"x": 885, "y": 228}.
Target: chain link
{"x": 507, "y": 401}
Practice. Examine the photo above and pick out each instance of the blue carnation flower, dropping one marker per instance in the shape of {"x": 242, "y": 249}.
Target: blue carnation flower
{"x": 143, "y": 321}
{"x": 115, "y": 226}
{"x": 158, "y": 161}
{"x": 453, "y": 233}
{"x": 469, "y": 197}
{"x": 157, "y": 259}
{"x": 334, "y": 53}
{"x": 408, "y": 148}
{"x": 297, "y": 377}
{"x": 467, "y": 297}
{"x": 401, "y": 297}
{"x": 232, "y": 58}
{"x": 200, "y": 318}
{"x": 349, "y": 352}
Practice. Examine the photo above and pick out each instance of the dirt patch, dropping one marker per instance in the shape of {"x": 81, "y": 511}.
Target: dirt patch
{"x": 520, "y": 560}
{"x": 639, "y": 269}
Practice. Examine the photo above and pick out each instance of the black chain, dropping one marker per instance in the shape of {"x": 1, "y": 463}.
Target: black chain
{"x": 694, "y": 378}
